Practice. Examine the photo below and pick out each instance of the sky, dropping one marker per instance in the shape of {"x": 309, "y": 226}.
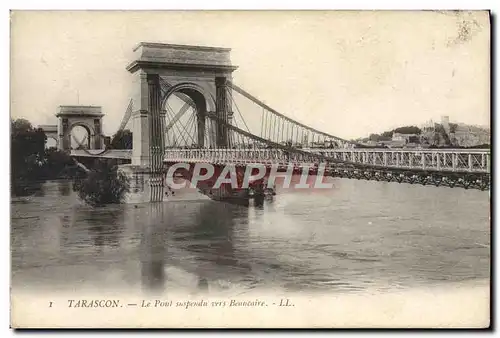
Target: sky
{"x": 347, "y": 73}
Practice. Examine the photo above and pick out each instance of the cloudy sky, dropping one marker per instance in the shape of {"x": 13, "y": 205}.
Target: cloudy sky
{"x": 346, "y": 73}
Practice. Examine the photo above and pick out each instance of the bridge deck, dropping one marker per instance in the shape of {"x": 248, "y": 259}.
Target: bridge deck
{"x": 440, "y": 160}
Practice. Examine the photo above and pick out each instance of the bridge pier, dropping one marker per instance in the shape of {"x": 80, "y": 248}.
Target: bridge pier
{"x": 140, "y": 183}
{"x": 143, "y": 184}
{"x": 140, "y": 119}
{"x": 148, "y": 129}
{"x": 223, "y": 109}
{"x": 209, "y": 187}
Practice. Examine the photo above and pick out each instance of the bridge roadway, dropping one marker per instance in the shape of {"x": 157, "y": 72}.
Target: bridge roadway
{"x": 468, "y": 168}
{"x": 446, "y": 160}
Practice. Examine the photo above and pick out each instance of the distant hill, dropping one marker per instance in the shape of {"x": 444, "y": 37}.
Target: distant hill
{"x": 438, "y": 135}
{"x": 387, "y": 135}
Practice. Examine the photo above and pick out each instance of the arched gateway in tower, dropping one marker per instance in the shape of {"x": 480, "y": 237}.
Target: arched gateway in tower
{"x": 198, "y": 74}
{"x": 69, "y": 117}
{"x": 88, "y": 117}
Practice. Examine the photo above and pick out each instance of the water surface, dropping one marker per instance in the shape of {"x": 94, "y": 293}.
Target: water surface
{"x": 360, "y": 235}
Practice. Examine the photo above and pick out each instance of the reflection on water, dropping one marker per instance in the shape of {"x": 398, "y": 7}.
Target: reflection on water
{"x": 105, "y": 227}
{"x": 24, "y": 188}
{"x": 64, "y": 187}
{"x": 153, "y": 247}
{"x": 356, "y": 236}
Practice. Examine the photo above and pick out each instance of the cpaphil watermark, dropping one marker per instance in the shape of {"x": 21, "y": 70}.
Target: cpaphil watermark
{"x": 249, "y": 176}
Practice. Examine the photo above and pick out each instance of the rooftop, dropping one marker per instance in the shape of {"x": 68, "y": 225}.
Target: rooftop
{"x": 80, "y": 110}
{"x": 48, "y": 127}
{"x": 78, "y": 106}
{"x": 171, "y": 56}
{"x": 177, "y": 46}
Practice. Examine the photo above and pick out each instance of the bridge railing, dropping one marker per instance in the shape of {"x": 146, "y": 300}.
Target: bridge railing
{"x": 426, "y": 160}
{"x": 111, "y": 153}
{"x": 441, "y": 160}
{"x": 238, "y": 156}
{"x": 455, "y": 160}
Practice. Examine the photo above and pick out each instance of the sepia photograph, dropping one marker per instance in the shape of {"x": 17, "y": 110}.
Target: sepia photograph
{"x": 250, "y": 169}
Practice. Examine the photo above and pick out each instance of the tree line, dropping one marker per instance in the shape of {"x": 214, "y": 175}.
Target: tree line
{"x": 32, "y": 164}
{"x": 121, "y": 140}
{"x": 387, "y": 135}
{"x": 440, "y": 137}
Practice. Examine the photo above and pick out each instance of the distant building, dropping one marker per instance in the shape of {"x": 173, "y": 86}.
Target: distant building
{"x": 407, "y": 138}
{"x": 325, "y": 144}
{"x": 444, "y": 133}
{"x": 392, "y": 144}
{"x": 428, "y": 126}
{"x": 107, "y": 141}
{"x": 305, "y": 141}
{"x": 445, "y": 121}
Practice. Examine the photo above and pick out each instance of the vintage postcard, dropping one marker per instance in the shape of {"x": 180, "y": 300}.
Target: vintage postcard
{"x": 250, "y": 169}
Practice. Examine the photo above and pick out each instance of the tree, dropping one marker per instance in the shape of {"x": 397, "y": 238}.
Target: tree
{"x": 21, "y": 125}
{"x": 56, "y": 162}
{"x": 413, "y": 139}
{"x": 440, "y": 134}
{"x": 374, "y": 137}
{"x": 102, "y": 185}
{"x": 408, "y": 130}
{"x": 26, "y": 141}
{"x": 27, "y": 155}
{"x": 31, "y": 163}
{"x": 122, "y": 140}
{"x": 387, "y": 135}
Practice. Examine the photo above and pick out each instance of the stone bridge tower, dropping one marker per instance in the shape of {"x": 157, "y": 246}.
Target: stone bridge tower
{"x": 88, "y": 117}
{"x": 199, "y": 73}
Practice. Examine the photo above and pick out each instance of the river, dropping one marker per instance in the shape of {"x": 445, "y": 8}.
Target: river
{"x": 357, "y": 236}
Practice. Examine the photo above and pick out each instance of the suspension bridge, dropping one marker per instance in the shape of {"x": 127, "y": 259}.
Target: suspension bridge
{"x": 185, "y": 108}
